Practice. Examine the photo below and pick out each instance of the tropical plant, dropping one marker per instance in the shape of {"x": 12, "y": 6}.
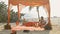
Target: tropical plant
{"x": 3, "y": 12}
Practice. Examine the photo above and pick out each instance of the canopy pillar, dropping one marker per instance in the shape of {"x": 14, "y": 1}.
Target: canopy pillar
{"x": 47, "y": 6}
{"x": 8, "y": 12}
{"x": 18, "y": 12}
{"x": 8, "y": 26}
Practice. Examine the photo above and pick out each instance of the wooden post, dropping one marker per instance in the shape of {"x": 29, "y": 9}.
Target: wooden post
{"x": 7, "y": 26}
{"x": 8, "y": 12}
{"x": 47, "y": 6}
{"x": 18, "y": 12}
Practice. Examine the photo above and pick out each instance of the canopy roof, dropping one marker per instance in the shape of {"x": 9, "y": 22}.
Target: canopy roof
{"x": 29, "y": 2}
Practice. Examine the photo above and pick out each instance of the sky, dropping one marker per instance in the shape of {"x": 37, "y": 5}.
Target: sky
{"x": 54, "y": 6}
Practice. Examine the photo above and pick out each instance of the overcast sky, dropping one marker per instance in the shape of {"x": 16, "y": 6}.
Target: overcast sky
{"x": 54, "y": 4}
